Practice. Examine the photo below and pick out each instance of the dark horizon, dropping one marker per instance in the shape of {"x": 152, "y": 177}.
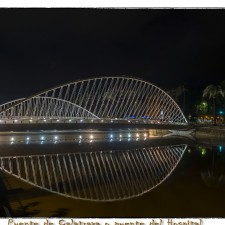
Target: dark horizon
{"x": 42, "y": 48}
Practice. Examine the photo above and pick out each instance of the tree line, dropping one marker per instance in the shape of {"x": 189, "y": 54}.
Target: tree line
{"x": 216, "y": 95}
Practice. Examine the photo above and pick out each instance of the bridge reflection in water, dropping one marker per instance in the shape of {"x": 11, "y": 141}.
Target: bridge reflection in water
{"x": 97, "y": 176}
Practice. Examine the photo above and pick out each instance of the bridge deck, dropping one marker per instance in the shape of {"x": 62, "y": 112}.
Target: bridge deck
{"x": 102, "y": 126}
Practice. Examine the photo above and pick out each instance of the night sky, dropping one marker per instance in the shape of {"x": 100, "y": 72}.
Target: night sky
{"x": 41, "y": 48}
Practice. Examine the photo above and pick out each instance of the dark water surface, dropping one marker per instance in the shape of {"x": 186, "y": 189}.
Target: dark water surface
{"x": 119, "y": 176}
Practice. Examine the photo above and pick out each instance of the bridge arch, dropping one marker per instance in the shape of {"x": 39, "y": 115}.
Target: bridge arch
{"x": 105, "y": 97}
{"x": 49, "y": 108}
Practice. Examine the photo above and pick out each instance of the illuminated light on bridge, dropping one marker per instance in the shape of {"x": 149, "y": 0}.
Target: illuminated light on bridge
{"x": 86, "y": 175}
{"x": 107, "y": 99}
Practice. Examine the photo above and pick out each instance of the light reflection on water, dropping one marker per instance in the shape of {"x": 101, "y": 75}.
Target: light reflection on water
{"x": 100, "y": 175}
{"x": 49, "y": 138}
{"x": 121, "y": 167}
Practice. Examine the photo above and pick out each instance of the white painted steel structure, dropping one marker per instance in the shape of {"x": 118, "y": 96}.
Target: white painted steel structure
{"x": 98, "y": 98}
{"x": 97, "y": 176}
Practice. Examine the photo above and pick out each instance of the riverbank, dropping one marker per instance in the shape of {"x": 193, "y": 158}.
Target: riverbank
{"x": 210, "y": 136}
{"x": 211, "y": 132}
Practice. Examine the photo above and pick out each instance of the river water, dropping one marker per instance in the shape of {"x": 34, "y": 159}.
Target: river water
{"x": 112, "y": 174}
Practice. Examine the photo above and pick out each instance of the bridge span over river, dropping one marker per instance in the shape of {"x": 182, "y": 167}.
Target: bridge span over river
{"x": 102, "y": 102}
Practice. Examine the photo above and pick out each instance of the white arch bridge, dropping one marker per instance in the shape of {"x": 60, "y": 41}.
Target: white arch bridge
{"x": 96, "y": 99}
